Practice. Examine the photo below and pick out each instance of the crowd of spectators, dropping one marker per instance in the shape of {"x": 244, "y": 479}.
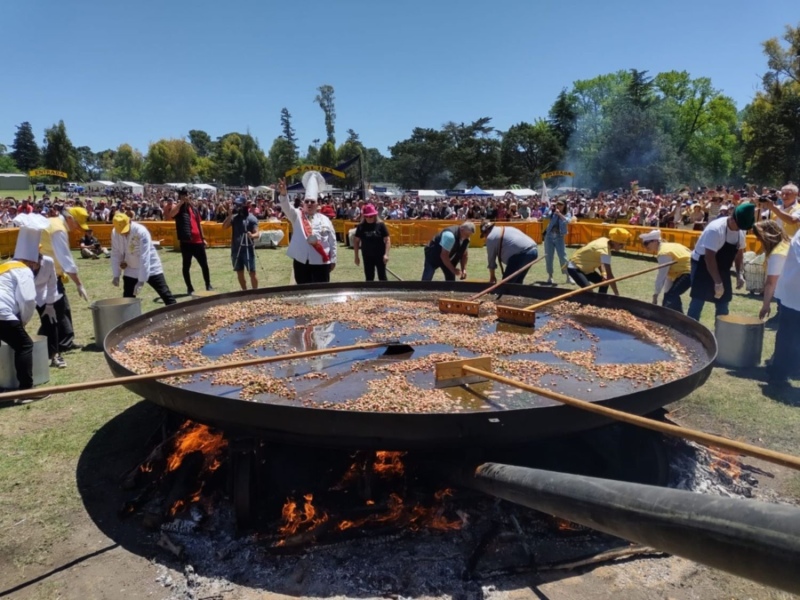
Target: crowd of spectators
{"x": 687, "y": 209}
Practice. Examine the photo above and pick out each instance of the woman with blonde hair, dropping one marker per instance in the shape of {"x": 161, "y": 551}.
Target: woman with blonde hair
{"x": 776, "y": 247}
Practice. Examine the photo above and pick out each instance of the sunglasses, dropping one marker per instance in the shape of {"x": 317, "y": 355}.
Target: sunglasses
{"x": 310, "y": 201}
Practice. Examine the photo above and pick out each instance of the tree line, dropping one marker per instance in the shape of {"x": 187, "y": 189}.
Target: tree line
{"x": 664, "y": 131}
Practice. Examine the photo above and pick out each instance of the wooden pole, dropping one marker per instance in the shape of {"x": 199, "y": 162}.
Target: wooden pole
{"x": 93, "y": 385}
{"x": 778, "y": 458}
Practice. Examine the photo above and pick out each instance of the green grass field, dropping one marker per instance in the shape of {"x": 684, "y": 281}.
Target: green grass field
{"x": 40, "y": 443}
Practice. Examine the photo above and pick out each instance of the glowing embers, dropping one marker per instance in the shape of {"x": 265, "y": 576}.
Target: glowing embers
{"x": 384, "y": 475}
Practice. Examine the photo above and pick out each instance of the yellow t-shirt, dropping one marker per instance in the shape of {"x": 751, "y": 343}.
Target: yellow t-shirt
{"x": 679, "y": 253}
{"x": 56, "y": 224}
{"x": 789, "y": 228}
{"x": 588, "y": 258}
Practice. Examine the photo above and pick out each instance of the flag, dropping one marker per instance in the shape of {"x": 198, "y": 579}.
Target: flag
{"x": 545, "y": 197}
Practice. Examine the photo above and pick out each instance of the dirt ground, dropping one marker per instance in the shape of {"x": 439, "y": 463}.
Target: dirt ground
{"x": 106, "y": 557}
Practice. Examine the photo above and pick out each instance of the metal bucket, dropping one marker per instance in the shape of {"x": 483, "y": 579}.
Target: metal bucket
{"x": 740, "y": 340}
{"x": 107, "y": 314}
{"x": 41, "y": 364}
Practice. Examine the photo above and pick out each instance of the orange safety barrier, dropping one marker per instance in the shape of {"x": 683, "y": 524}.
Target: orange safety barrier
{"x": 403, "y": 233}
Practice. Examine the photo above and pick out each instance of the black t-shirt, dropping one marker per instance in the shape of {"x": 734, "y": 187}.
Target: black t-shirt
{"x": 372, "y": 236}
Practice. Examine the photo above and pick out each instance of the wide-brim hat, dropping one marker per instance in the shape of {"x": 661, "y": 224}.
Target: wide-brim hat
{"x": 370, "y": 211}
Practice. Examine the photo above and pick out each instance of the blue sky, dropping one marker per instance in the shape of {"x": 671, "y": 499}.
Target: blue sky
{"x": 138, "y": 71}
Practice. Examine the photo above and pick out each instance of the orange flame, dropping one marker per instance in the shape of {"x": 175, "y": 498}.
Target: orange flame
{"x": 388, "y": 464}
{"x": 295, "y": 519}
{"x": 415, "y": 517}
{"x": 195, "y": 437}
{"x": 565, "y": 525}
{"x": 725, "y": 463}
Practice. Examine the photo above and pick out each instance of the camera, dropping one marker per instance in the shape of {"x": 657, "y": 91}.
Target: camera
{"x": 772, "y": 196}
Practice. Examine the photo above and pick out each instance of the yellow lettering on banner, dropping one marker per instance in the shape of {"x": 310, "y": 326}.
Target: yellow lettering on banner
{"x": 320, "y": 168}
{"x": 558, "y": 174}
{"x": 47, "y": 172}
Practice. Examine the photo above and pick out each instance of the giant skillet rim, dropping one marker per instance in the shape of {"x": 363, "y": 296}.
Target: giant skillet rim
{"x": 342, "y": 428}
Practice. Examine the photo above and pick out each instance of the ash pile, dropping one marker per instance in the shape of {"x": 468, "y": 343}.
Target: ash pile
{"x": 373, "y": 525}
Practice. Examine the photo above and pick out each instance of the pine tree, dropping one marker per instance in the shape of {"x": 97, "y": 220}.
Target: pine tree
{"x": 288, "y": 131}
{"x": 26, "y": 152}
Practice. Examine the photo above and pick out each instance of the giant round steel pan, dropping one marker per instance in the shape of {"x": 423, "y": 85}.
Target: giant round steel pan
{"x": 381, "y": 430}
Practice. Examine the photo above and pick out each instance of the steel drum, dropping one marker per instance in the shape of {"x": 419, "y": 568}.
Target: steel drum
{"x": 523, "y": 420}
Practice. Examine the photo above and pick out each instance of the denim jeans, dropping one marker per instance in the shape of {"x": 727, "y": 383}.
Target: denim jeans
{"x": 787, "y": 344}
{"x": 672, "y": 297}
{"x": 429, "y": 270}
{"x": 554, "y": 244}
{"x": 518, "y": 261}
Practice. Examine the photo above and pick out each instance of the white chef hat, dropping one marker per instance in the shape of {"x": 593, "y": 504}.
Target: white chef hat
{"x": 30, "y": 233}
{"x": 313, "y": 181}
{"x": 651, "y": 236}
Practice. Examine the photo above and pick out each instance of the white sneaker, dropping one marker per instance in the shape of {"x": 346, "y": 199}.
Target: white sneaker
{"x": 570, "y": 281}
{"x": 58, "y": 362}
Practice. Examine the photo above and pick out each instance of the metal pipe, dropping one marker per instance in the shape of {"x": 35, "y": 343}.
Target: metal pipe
{"x": 751, "y": 539}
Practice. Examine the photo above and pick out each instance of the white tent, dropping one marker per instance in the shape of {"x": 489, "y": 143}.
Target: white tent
{"x": 99, "y": 186}
{"x": 430, "y": 194}
{"x": 519, "y": 192}
{"x": 203, "y": 186}
{"x": 136, "y": 188}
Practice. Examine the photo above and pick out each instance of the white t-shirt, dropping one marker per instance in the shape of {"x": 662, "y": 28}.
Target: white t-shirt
{"x": 788, "y": 290}
{"x": 775, "y": 264}
{"x": 715, "y": 236}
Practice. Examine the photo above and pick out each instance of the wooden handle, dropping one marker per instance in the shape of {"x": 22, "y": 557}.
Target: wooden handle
{"x": 700, "y": 437}
{"x": 93, "y": 385}
{"x": 393, "y": 274}
{"x": 504, "y": 280}
{"x": 596, "y": 285}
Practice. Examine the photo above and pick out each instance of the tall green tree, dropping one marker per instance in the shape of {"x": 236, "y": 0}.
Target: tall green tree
{"x": 288, "y": 131}
{"x": 105, "y": 164}
{"x": 25, "y": 151}
{"x": 325, "y": 99}
{"x": 327, "y": 155}
{"x": 473, "y": 153}
{"x": 129, "y": 163}
{"x": 530, "y": 149}
{"x": 418, "y": 162}
{"x": 376, "y": 166}
{"x": 201, "y": 142}
{"x": 771, "y": 127}
{"x": 281, "y": 156}
{"x": 7, "y": 164}
{"x": 168, "y": 161}
{"x": 563, "y": 117}
{"x": 88, "y": 165}
{"x": 351, "y": 148}
{"x": 241, "y": 161}
{"x": 702, "y": 125}
{"x": 58, "y": 152}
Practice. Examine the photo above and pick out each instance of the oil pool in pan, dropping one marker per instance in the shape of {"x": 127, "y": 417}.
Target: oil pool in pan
{"x": 578, "y": 351}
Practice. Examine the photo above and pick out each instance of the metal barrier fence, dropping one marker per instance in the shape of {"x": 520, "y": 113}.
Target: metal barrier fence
{"x": 403, "y": 233}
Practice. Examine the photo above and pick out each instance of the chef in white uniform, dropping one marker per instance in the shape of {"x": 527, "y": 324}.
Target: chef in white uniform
{"x": 313, "y": 243}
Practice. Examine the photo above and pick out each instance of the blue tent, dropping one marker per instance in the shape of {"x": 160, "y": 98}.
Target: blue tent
{"x": 476, "y": 191}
